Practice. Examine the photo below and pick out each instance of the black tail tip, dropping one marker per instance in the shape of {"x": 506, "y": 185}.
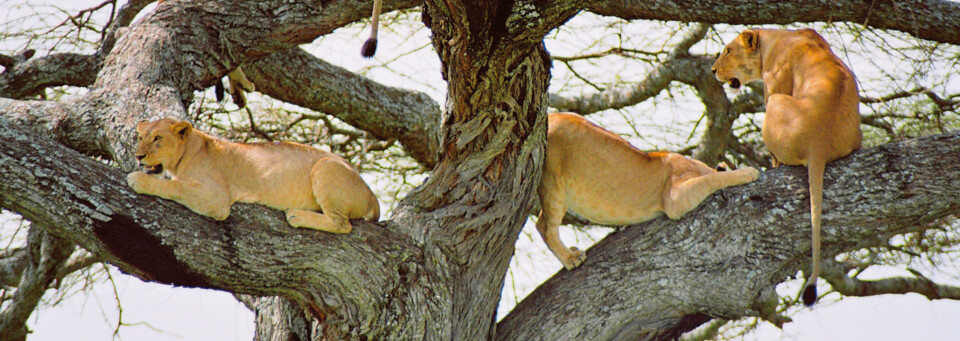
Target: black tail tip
{"x": 369, "y": 48}
{"x": 810, "y": 295}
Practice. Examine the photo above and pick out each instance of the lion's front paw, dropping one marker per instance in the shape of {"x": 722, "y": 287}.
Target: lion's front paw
{"x": 138, "y": 181}
{"x": 750, "y": 173}
{"x": 297, "y": 218}
{"x": 574, "y": 258}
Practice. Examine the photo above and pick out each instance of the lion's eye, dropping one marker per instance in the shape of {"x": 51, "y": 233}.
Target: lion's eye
{"x": 156, "y": 138}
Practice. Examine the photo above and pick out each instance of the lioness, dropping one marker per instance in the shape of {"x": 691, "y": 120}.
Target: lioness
{"x": 813, "y": 114}
{"x": 209, "y": 174}
{"x": 601, "y": 177}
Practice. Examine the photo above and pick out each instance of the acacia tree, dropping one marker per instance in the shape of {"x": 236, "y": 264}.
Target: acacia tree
{"x": 435, "y": 269}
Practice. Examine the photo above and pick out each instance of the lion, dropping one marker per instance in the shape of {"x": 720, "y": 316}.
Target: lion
{"x": 813, "y": 114}
{"x": 209, "y": 174}
{"x": 601, "y": 177}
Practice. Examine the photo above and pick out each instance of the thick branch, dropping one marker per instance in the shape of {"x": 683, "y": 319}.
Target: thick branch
{"x": 45, "y": 256}
{"x": 725, "y": 258}
{"x": 31, "y": 77}
{"x": 254, "y": 251}
{"x": 848, "y": 286}
{"x": 934, "y": 20}
{"x": 297, "y": 77}
{"x": 12, "y": 264}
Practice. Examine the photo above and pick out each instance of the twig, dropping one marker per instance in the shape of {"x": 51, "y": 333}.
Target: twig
{"x": 253, "y": 125}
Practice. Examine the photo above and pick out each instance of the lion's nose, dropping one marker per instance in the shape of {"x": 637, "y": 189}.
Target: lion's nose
{"x": 140, "y": 156}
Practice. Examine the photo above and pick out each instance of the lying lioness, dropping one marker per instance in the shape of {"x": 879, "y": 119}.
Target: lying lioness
{"x": 602, "y": 178}
{"x": 208, "y": 175}
{"x": 813, "y": 114}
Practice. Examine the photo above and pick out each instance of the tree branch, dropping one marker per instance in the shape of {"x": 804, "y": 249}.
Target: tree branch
{"x": 29, "y": 78}
{"x": 295, "y": 76}
{"x": 657, "y": 80}
{"x": 933, "y": 20}
{"x": 45, "y": 256}
{"x": 833, "y": 273}
{"x": 724, "y": 259}
{"x": 255, "y": 251}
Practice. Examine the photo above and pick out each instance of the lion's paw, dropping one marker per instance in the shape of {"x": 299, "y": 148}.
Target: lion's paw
{"x": 138, "y": 181}
{"x": 751, "y": 173}
{"x": 574, "y": 259}
{"x": 296, "y": 218}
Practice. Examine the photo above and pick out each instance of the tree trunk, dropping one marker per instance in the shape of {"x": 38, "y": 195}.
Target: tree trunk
{"x": 435, "y": 270}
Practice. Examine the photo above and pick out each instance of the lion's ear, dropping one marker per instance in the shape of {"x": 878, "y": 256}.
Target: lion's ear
{"x": 750, "y": 40}
{"x": 142, "y": 127}
{"x": 181, "y": 129}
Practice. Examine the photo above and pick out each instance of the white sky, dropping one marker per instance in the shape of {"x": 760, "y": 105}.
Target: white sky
{"x": 194, "y": 314}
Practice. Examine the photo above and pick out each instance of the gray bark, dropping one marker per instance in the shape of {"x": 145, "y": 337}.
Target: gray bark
{"x": 934, "y": 20}
{"x": 660, "y": 278}
{"x": 654, "y": 280}
{"x": 434, "y": 271}
{"x": 45, "y": 256}
{"x": 295, "y": 76}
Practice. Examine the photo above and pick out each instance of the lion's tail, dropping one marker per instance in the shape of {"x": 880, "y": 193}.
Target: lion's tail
{"x": 370, "y": 46}
{"x": 815, "y": 170}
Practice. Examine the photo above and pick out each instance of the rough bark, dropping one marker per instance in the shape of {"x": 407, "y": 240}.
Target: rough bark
{"x": 45, "y": 256}
{"x": 295, "y": 76}
{"x": 655, "y": 279}
{"x": 934, "y": 20}
{"x": 435, "y": 271}
{"x": 278, "y": 319}
{"x": 658, "y": 279}
{"x": 335, "y": 277}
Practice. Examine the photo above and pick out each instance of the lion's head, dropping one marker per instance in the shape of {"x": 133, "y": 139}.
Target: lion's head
{"x": 161, "y": 143}
{"x": 739, "y": 63}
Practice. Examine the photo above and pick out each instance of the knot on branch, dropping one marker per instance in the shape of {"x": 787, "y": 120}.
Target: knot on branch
{"x": 9, "y": 62}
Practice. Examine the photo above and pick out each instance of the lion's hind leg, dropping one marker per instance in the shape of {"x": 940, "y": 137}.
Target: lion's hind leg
{"x": 684, "y": 195}
{"x": 318, "y": 221}
{"x": 341, "y": 194}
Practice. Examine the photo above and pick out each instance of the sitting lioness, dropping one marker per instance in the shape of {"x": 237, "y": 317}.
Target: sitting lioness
{"x": 208, "y": 175}
{"x": 601, "y": 177}
{"x": 813, "y": 114}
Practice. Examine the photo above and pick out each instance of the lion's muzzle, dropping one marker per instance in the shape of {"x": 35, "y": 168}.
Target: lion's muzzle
{"x": 735, "y": 83}
{"x": 155, "y": 169}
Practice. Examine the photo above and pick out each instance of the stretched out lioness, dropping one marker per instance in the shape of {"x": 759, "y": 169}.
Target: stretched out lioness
{"x": 208, "y": 175}
{"x": 601, "y": 177}
{"x": 813, "y": 114}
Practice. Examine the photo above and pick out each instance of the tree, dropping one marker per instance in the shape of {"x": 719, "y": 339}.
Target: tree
{"x": 435, "y": 269}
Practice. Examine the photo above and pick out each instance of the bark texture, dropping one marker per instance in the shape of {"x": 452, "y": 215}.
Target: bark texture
{"x": 653, "y": 280}
{"x": 934, "y": 20}
{"x": 295, "y": 76}
{"x": 435, "y": 270}
{"x": 661, "y": 278}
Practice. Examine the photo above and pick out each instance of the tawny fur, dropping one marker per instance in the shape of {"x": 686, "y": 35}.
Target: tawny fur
{"x": 602, "y": 178}
{"x": 812, "y": 103}
{"x": 208, "y": 175}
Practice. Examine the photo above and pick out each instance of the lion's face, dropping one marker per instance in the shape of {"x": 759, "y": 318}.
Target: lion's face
{"x": 739, "y": 63}
{"x": 161, "y": 143}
